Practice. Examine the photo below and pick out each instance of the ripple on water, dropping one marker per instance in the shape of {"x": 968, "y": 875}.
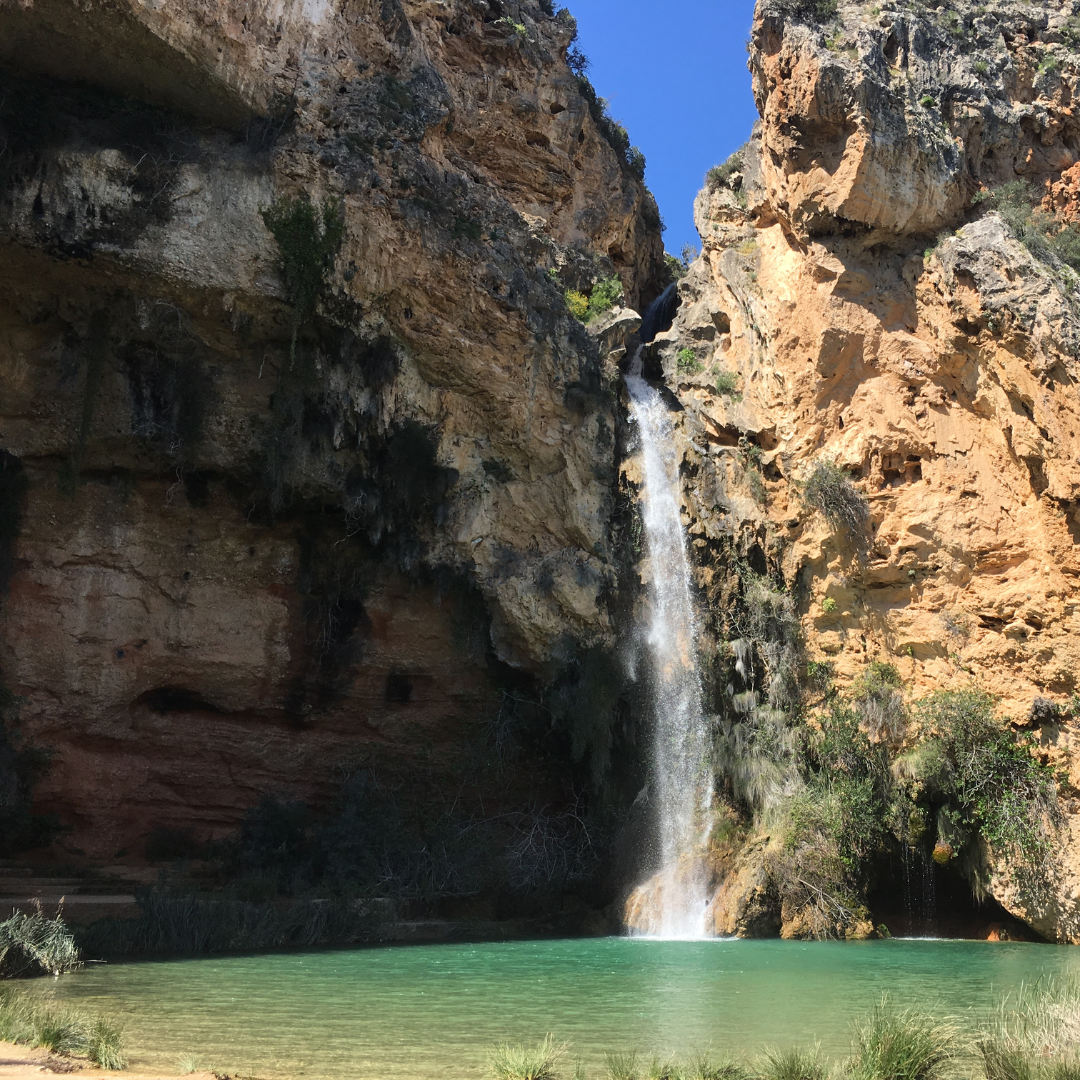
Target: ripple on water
{"x": 433, "y": 1011}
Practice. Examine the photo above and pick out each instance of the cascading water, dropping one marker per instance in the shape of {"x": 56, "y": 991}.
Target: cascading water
{"x": 674, "y": 903}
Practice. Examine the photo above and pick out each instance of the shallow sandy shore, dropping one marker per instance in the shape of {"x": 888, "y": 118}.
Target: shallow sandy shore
{"x": 19, "y": 1063}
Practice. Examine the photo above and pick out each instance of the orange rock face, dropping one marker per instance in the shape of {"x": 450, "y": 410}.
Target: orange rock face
{"x": 939, "y": 367}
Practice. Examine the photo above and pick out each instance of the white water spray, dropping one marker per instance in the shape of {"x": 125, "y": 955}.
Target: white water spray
{"x": 674, "y": 903}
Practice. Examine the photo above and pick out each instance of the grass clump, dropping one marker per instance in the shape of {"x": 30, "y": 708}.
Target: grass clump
{"x": 105, "y": 1045}
{"x": 60, "y": 1030}
{"x": 902, "y": 1044}
{"x": 31, "y": 944}
{"x": 829, "y": 490}
{"x": 792, "y": 1064}
{"x": 517, "y": 1062}
{"x": 726, "y": 383}
{"x": 622, "y": 1065}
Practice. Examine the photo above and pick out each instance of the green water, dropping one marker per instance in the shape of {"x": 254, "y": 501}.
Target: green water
{"x": 432, "y": 1011}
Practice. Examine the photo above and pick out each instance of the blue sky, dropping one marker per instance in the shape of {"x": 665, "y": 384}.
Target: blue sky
{"x": 675, "y": 75}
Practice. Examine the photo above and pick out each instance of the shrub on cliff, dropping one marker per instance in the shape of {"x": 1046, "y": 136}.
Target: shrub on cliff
{"x": 308, "y": 239}
{"x": 603, "y": 296}
{"x": 985, "y": 778}
{"x": 1040, "y": 232}
{"x": 814, "y": 12}
{"x": 829, "y": 490}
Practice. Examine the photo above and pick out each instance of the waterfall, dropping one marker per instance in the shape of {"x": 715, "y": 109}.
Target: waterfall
{"x": 674, "y": 903}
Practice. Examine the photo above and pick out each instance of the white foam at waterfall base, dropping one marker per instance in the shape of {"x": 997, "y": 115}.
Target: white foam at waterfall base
{"x": 674, "y": 903}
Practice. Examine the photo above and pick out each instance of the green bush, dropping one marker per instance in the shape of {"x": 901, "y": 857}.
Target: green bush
{"x": 603, "y": 296}
{"x": 519, "y": 29}
{"x": 308, "y": 239}
{"x": 829, "y": 490}
{"x": 986, "y": 773}
{"x": 815, "y": 12}
{"x": 676, "y": 266}
{"x": 720, "y": 175}
{"x": 687, "y": 363}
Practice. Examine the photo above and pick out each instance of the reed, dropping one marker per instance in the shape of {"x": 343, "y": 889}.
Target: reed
{"x": 31, "y": 944}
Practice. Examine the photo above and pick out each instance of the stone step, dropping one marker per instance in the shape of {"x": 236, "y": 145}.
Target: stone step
{"x": 77, "y": 909}
{"x": 33, "y": 885}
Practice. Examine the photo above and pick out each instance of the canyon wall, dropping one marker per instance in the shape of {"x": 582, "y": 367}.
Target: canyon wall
{"x": 880, "y": 314}
{"x": 256, "y": 538}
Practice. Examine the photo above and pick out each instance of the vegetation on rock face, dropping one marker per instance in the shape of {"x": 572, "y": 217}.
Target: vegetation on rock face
{"x": 829, "y": 490}
{"x": 630, "y": 157}
{"x": 62, "y": 1030}
{"x": 809, "y": 11}
{"x": 837, "y": 789}
{"x": 308, "y": 240}
{"x": 983, "y": 780}
{"x": 687, "y": 363}
{"x": 726, "y": 383}
{"x": 729, "y": 175}
{"x": 603, "y": 296}
{"x": 1040, "y": 232}
{"x": 22, "y": 765}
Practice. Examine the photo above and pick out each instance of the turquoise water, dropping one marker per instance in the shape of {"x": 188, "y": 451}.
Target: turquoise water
{"x": 433, "y": 1011}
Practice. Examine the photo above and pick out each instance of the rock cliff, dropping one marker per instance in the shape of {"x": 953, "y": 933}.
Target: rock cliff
{"x": 307, "y": 468}
{"x": 304, "y": 460}
{"x": 865, "y": 286}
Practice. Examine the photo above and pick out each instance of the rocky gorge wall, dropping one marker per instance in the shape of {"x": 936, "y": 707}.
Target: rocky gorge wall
{"x": 257, "y": 537}
{"x": 309, "y": 472}
{"x": 857, "y": 286}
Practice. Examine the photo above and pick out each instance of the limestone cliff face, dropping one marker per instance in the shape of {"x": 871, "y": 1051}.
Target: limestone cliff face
{"x": 880, "y": 316}
{"x": 249, "y": 551}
